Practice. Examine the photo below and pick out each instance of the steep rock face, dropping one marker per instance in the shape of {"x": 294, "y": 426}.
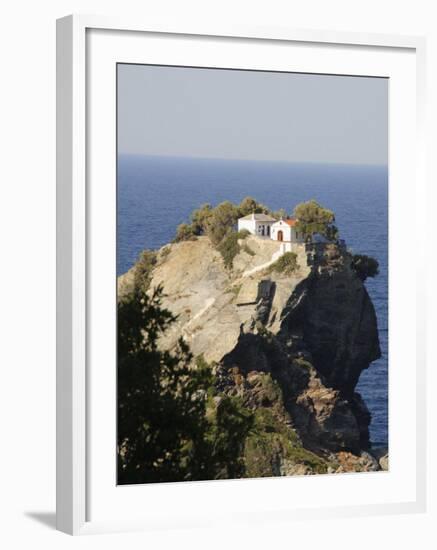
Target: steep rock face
{"x": 327, "y": 335}
{"x": 333, "y": 314}
{"x": 310, "y": 333}
{"x": 338, "y": 325}
{"x": 331, "y": 320}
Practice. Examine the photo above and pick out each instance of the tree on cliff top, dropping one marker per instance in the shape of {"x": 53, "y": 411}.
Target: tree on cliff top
{"x": 249, "y": 205}
{"x": 217, "y": 222}
{"x": 164, "y": 433}
{"x": 184, "y": 232}
{"x": 199, "y": 217}
{"x": 313, "y": 218}
{"x": 222, "y": 220}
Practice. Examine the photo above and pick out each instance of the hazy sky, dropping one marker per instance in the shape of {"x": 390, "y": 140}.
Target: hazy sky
{"x": 181, "y": 111}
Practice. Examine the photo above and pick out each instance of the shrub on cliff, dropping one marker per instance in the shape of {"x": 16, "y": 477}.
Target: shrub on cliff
{"x": 199, "y": 218}
{"x": 286, "y": 264}
{"x": 184, "y": 232}
{"x": 365, "y": 266}
{"x": 249, "y": 205}
{"x": 218, "y": 221}
{"x": 279, "y": 214}
{"x": 272, "y": 442}
{"x": 231, "y": 424}
{"x": 164, "y": 432}
{"x": 246, "y": 248}
{"x": 143, "y": 269}
{"x": 313, "y": 218}
{"x": 222, "y": 220}
{"x": 243, "y": 234}
{"x": 229, "y": 246}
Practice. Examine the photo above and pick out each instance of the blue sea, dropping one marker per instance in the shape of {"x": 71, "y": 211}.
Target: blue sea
{"x": 155, "y": 194}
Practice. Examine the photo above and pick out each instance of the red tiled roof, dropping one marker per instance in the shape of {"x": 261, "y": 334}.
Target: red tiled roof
{"x": 291, "y": 222}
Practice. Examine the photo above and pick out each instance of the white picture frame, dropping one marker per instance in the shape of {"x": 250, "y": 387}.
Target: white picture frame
{"x": 74, "y": 465}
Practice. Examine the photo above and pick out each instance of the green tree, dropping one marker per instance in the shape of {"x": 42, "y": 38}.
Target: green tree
{"x": 184, "y": 232}
{"x": 249, "y": 205}
{"x": 222, "y": 220}
{"x": 164, "y": 431}
{"x": 365, "y": 266}
{"x": 286, "y": 264}
{"x": 199, "y": 218}
{"x": 229, "y": 247}
{"x": 313, "y": 218}
{"x": 232, "y": 424}
{"x": 143, "y": 269}
{"x": 278, "y": 214}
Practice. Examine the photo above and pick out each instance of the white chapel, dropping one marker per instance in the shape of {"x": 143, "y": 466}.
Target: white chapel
{"x": 262, "y": 225}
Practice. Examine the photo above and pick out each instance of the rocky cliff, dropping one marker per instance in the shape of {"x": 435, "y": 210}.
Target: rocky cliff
{"x": 291, "y": 345}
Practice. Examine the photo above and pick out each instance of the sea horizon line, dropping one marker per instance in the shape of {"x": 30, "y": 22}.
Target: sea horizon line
{"x": 259, "y": 161}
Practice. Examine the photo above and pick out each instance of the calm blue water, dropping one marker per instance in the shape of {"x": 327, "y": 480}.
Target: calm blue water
{"x": 155, "y": 194}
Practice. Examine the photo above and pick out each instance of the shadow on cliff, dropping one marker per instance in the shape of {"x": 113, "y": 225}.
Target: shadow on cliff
{"x": 334, "y": 317}
{"x": 328, "y": 335}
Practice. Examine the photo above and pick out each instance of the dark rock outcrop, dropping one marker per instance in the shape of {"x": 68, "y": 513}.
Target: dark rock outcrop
{"x": 328, "y": 335}
{"x": 333, "y": 314}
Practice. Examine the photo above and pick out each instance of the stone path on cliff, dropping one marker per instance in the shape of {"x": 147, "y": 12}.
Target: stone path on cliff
{"x": 273, "y": 259}
{"x": 208, "y": 303}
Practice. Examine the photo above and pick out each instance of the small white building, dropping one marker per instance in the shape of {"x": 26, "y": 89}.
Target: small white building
{"x": 257, "y": 224}
{"x": 285, "y": 231}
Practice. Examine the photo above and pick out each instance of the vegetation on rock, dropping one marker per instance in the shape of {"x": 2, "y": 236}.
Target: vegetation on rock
{"x": 165, "y": 251}
{"x": 221, "y": 221}
{"x": 143, "y": 269}
{"x": 164, "y": 431}
{"x": 230, "y": 424}
{"x": 229, "y": 247}
{"x": 365, "y": 266}
{"x": 279, "y": 214}
{"x": 184, "y": 232}
{"x": 286, "y": 264}
{"x": 246, "y": 248}
{"x": 217, "y": 222}
{"x": 313, "y": 218}
{"x": 273, "y": 447}
{"x": 199, "y": 218}
{"x": 249, "y": 205}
